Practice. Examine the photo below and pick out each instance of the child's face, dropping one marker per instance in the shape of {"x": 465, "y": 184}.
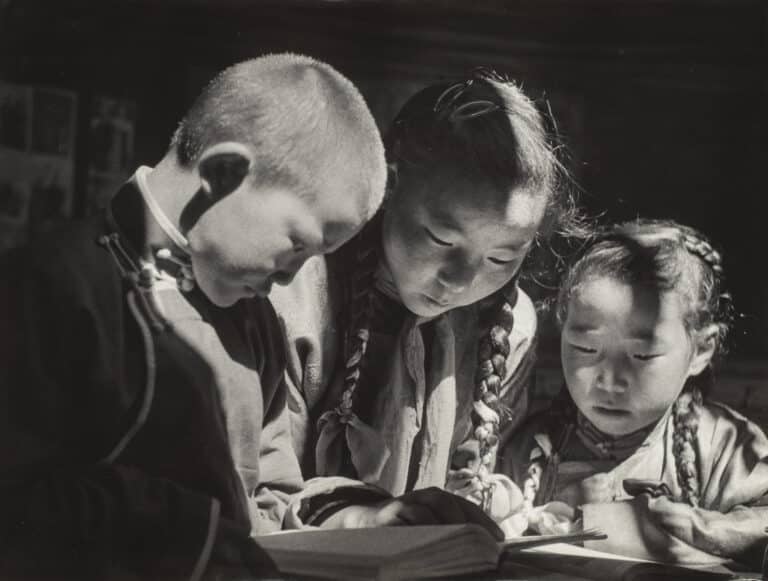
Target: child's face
{"x": 452, "y": 243}
{"x": 625, "y": 353}
{"x": 259, "y": 235}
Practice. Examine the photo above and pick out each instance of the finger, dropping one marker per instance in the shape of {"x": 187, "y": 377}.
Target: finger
{"x": 676, "y": 518}
{"x": 444, "y": 505}
{"x": 458, "y": 482}
{"x": 418, "y": 514}
{"x": 454, "y": 509}
{"x": 664, "y": 508}
{"x": 463, "y": 473}
{"x": 470, "y": 487}
{"x": 467, "y": 490}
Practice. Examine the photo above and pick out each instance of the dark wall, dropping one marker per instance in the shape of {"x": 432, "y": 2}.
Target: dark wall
{"x": 663, "y": 104}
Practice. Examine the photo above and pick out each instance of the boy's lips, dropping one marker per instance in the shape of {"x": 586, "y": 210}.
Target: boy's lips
{"x": 261, "y": 290}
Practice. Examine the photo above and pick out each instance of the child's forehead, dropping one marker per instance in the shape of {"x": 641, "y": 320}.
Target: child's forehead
{"x": 466, "y": 201}
{"x": 605, "y": 300}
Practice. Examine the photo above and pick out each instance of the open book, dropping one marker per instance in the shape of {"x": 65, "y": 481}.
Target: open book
{"x": 584, "y": 563}
{"x": 390, "y": 553}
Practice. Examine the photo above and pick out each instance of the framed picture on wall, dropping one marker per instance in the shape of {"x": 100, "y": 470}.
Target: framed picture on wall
{"x": 111, "y": 148}
{"x": 53, "y": 122}
{"x": 15, "y": 112}
{"x": 37, "y": 158}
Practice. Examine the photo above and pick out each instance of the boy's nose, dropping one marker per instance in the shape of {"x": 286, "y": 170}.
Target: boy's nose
{"x": 287, "y": 271}
{"x": 283, "y": 278}
{"x": 289, "y": 263}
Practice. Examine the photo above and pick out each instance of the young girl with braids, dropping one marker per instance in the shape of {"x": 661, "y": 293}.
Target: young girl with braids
{"x": 415, "y": 336}
{"x": 643, "y": 312}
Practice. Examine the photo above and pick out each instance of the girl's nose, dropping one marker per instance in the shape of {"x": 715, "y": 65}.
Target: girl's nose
{"x": 456, "y": 276}
{"x": 610, "y": 377}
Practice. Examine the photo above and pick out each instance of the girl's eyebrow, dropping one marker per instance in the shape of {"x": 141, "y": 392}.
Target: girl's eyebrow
{"x": 445, "y": 220}
{"x": 647, "y": 335}
{"x": 514, "y": 247}
{"x": 581, "y": 328}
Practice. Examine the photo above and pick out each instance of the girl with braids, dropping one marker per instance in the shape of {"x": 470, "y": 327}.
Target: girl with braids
{"x": 415, "y": 336}
{"x": 643, "y": 312}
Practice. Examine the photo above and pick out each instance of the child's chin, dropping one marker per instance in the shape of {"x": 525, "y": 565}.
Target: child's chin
{"x": 613, "y": 423}
{"x": 422, "y": 307}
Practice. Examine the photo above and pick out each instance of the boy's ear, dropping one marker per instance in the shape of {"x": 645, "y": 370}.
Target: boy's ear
{"x": 705, "y": 343}
{"x": 392, "y": 180}
{"x": 223, "y": 167}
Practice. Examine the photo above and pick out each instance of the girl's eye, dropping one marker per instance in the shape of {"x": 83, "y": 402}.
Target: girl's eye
{"x": 501, "y": 262}
{"x": 648, "y": 357}
{"x": 582, "y": 349}
{"x": 435, "y": 239}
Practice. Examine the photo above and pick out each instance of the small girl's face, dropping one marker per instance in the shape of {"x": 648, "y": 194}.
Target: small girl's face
{"x": 452, "y": 243}
{"x": 626, "y": 353}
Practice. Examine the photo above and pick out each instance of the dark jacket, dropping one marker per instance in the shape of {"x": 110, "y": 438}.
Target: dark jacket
{"x": 125, "y": 451}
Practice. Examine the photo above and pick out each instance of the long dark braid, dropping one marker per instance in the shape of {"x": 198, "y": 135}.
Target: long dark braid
{"x": 685, "y": 416}
{"x": 363, "y": 253}
{"x": 492, "y": 353}
{"x": 687, "y": 408}
{"x": 668, "y": 257}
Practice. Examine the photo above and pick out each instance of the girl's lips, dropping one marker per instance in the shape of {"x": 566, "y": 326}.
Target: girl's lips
{"x": 610, "y": 411}
{"x": 436, "y": 302}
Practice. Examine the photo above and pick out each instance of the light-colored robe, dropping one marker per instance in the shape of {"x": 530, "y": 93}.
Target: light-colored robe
{"x": 732, "y": 458}
{"x": 410, "y": 400}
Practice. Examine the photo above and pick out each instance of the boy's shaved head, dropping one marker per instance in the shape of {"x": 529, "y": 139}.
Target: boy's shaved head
{"x": 307, "y": 125}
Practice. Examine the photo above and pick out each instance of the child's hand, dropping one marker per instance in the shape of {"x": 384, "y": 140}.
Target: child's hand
{"x": 465, "y": 483}
{"x": 725, "y": 535}
{"x": 420, "y": 507}
{"x": 506, "y": 496}
{"x": 553, "y": 518}
{"x": 594, "y": 489}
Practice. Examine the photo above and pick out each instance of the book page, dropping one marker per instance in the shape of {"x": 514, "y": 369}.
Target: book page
{"x": 601, "y": 566}
{"x": 383, "y": 552}
{"x": 519, "y": 543}
{"x": 630, "y": 536}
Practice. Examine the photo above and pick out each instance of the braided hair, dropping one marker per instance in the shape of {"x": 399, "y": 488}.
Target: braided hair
{"x": 666, "y": 256}
{"x": 486, "y": 130}
{"x": 359, "y": 302}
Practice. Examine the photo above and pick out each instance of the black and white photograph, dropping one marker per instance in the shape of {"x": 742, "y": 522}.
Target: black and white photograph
{"x": 383, "y": 290}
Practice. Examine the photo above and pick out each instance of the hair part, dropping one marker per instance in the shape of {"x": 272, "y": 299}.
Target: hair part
{"x": 662, "y": 255}
{"x": 485, "y": 129}
{"x": 299, "y": 116}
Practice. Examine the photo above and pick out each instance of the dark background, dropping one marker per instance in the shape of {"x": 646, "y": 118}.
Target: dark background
{"x": 663, "y": 104}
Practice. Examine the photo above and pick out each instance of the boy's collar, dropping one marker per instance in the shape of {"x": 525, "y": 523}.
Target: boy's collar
{"x": 126, "y": 215}
{"x": 159, "y": 216}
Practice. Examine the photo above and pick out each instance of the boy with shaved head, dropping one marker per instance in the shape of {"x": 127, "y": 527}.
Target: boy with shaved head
{"x": 142, "y": 428}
